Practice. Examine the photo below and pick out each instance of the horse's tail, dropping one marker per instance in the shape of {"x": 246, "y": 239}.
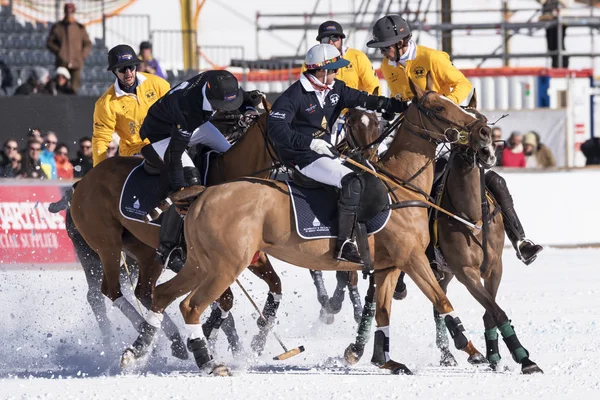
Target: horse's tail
{"x": 64, "y": 202}
{"x": 188, "y": 194}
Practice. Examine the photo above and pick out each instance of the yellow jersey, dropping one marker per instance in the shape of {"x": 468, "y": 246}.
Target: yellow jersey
{"x": 359, "y": 74}
{"x": 448, "y": 80}
{"x": 117, "y": 111}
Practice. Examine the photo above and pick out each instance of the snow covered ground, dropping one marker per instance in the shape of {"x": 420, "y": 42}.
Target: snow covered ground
{"x": 50, "y": 345}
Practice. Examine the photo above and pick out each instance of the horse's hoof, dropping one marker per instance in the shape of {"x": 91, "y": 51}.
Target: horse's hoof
{"x": 178, "y": 349}
{"x": 128, "y": 358}
{"x": 258, "y": 343}
{"x": 448, "y": 359}
{"x": 326, "y": 317}
{"x": 396, "y": 368}
{"x": 401, "y": 295}
{"x": 352, "y": 354}
{"x": 529, "y": 367}
{"x": 220, "y": 370}
{"x": 477, "y": 359}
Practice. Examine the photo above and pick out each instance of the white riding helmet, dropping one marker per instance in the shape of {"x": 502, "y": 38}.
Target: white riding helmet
{"x": 324, "y": 56}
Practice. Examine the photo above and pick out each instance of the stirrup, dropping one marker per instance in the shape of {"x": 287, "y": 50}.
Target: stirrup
{"x": 167, "y": 261}
{"x": 353, "y": 243}
{"x": 520, "y": 256}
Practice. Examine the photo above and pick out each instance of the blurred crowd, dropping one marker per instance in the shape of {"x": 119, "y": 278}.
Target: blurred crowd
{"x": 522, "y": 150}
{"x": 44, "y": 157}
{"x": 70, "y": 44}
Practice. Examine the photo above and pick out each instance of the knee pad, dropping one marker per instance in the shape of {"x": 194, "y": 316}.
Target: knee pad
{"x": 352, "y": 186}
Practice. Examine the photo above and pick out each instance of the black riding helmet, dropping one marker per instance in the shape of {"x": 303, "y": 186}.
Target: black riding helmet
{"x": 121, "y": 56}
{"x": 223, "y": 91}
{"x": 330, "y": 28}
{"x": 389, "y": 30}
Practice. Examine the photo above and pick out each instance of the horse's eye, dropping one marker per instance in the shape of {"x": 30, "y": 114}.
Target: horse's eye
{"x": 439, "y": 109}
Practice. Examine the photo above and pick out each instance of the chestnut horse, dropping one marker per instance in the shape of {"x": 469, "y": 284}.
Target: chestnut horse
{"x": 229, "y": 223}
{"x": 95, "y": 212}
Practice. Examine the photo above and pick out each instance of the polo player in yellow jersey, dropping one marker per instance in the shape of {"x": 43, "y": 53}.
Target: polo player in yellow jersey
{"x": 124, "y": 105}
{"x": 404, "y": 59}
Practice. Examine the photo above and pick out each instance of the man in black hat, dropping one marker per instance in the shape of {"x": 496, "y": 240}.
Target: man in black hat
{"x": 124, "y": 105}
{"x": 181, "y": 119}
{"x": 359, "y": 73}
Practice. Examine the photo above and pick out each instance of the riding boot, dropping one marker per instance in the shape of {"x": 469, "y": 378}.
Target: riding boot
{"x": 526, "y": 250}
{"x": 171, "y": 229}
{"x": 346, "y": 248}
{"x": 192, "y": 176}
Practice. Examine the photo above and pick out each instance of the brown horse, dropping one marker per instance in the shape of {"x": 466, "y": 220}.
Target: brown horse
{"x": 361, "y": 125}
{"x": 464, "y": 255}
{"x": 229, "y": 223}
{"x": 95, "y": 211}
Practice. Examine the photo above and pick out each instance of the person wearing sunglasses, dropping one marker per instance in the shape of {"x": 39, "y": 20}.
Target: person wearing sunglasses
{"x": 359, "y": 73}
{"x": 32, "y": 167}
{"x": 404, "y": 59}
{"x": 300, "y": 127}
{"x": 125, "y": 104}
{"x": 47, "y": 157}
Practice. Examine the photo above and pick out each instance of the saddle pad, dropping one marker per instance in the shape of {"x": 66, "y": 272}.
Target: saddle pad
{"x": 315, "y": 213}
{"x": 140, "y": 194}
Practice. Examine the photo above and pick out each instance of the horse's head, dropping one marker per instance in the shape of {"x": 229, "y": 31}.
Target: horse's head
{"x": 361, "y": 128}
{"x": 444, "y": 121}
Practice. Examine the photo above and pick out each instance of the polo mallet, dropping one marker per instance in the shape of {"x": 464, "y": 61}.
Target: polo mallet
{"x": 475, "y": 227}
{"x": 287, "y": 353}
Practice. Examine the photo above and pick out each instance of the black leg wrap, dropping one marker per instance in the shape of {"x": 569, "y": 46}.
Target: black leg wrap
{"x": 382, "y": 346}
{"x": 364, "y": 327}
{"x": 269, "y": 311}
{"x": 233, "y": 339}
{"x": 356, "y": 302}
{"x": 144, "y": 340}
{"x": 212, "y": 325}
{"x": 456, "y": 330}
{"x": 516, "y": 348}
{"x": 322, "y": 295}
{"x": 200, "y": 351}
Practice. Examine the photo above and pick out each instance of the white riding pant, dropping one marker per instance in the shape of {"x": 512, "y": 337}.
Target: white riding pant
{"x": 206, "y": 134}
{"x": 329, "y": 171}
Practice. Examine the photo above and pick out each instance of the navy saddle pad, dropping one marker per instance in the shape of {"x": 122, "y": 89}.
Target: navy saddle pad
{"x": 140, "y": 194}
{"x": 315, "y": 213}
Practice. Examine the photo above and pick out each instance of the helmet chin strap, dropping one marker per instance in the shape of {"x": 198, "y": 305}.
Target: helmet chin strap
{"x": 398, "y": 55}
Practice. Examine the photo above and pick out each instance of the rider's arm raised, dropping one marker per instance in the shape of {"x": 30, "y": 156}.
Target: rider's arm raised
{"x": 353, "y": 98}
{"x": 104, "y": 126}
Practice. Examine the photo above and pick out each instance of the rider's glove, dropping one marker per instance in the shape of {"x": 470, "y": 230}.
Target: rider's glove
{"x": 320, "y": 146}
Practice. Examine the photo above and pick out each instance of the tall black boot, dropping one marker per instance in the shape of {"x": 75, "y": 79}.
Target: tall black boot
{"x": 171, "y": 229}
{"x": 192, "y": 176}
{"x": 526, "y": 250}
{"x": 346, "y": 248}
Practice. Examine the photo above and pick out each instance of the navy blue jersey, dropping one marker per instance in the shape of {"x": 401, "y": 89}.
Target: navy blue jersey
{"x": 297, "y": 118}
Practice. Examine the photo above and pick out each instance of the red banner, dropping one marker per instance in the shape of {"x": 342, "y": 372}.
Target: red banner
{"x": 29, "y": 233}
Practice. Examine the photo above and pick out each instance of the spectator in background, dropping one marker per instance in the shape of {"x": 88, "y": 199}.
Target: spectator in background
{"x": 60, "y": 84}
{"x": 32, "y": 167}
{"x": 545, "y": 157}
{"x": 64, "y": 168}
{"x": 35, "y": 84}
{"x": 513, "y": 155}
{"x": 83, "y": 162}
{"x": 70, "y": 43}
{"x": 47, "y": 157}
{"x": 12, "y": 169}
{"x": 149, "y": 64}
{"x": 35, "y": 134}
{"x": 497, "y": 137}
{"x": 591, "y": 150}
{"x": 10, "y": 148}
{"x": 6, "y": 78}
{"x": 550, "y": 10}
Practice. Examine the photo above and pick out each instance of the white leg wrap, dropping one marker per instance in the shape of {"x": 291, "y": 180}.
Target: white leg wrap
{"x": 129, "y": 311}
{"x": 276, "y": 297}
{"x": 194, "y": 331}
{"x": 224, "y": 314}
{"x": 155, "y": 319}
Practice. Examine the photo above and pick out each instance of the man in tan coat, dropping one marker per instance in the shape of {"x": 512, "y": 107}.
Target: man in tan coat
{"x": 70, "y": 43}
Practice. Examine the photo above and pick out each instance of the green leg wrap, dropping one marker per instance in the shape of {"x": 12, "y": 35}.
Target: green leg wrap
{"x": 491, "y": 344}
{"x": 441, "y": 338}
{"x": 512, "y": 342}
